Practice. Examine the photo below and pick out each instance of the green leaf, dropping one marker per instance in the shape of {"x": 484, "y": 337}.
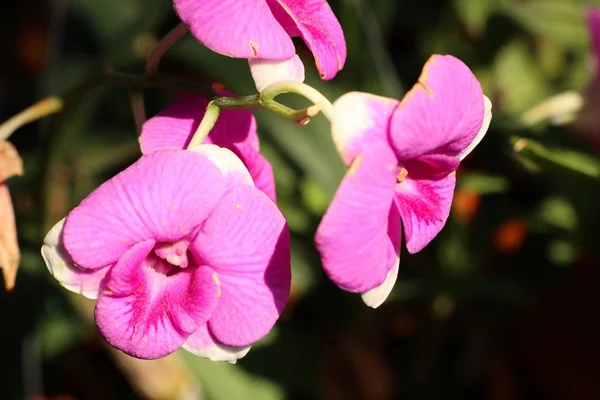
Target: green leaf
{"x": 483, "y": 183}
{"x": 555, "y": 19}
{"x": 223, "y": 381}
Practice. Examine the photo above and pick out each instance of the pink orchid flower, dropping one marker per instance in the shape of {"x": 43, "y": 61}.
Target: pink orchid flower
{"x": 181, "y": 250}
{"x": 174, "y": 127}
{"x": 402, "y": 158}
{"x": 261, "y": 31}
{"x": 587, "y": 122}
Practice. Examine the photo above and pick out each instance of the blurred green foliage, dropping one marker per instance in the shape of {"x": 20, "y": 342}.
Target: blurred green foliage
{"x": 518, "y": 226}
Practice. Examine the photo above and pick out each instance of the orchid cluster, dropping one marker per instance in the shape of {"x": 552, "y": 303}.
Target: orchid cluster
{"x": 187, "y": 248}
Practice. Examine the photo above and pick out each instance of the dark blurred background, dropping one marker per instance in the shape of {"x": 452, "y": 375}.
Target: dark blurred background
{"x": 502, "y": 305}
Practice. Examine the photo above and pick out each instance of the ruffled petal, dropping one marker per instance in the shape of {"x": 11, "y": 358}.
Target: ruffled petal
{"x": 316, "y": 24}
{"x": 246, "y": 241}
{"x": 359, "y": 120}
{"x": 267, "y": 72}
{"x": 163, "y": 196}
{"x": 359, "y": 236}
{"x": 441, "y": 114}
{"x": 61, "y": 266}
{"x": 424, "y": 205}
{"x": 240, "y": 29}
{"x": 147, "y": 308}
{"x": 202, "y": 344}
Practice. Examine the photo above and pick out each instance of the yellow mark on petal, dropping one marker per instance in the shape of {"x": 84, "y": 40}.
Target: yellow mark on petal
{"x": 254, "y": 48}
{"x": 239, "y": 206}
{"x": 453, "y": 173}
{"x": 218, "y": 282}
{"x": 401, "y": 175}
{"x": 339, "y": 60}
{"x": 354, "y": 166}
{"x": 175, "y": 207}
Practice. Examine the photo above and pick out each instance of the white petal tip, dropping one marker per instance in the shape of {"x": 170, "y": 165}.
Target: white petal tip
{"x": 376, "y": 296}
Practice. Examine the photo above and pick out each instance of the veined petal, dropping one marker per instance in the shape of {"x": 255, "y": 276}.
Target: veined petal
{"x": 441, "y": 114}
{"x": 266, "y": 72}
{"x": 61, "y": 266}
{"x": 246, "y": 241}
{"x": 202, "y": 344}
{"x": 424, "y": 205}
{"x": 163, "y": 196}
{"x": 232, "y": 168}
{"x": 360, "y": 119}
{"x": 359, "y": 236}
{"x": 146, "y": 310}
{"x": 241, "y": 29}
{"x": 316, "y": 24}
{"x": 482, "y": 131}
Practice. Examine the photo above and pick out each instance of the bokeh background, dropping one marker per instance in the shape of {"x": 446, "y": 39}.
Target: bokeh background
{"x": 503, "y": 304}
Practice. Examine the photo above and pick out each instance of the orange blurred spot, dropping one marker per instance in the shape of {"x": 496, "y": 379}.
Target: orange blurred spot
{"x": 32, "y": 48}
{"x": 510, "y": 235}
{"x": 466, "y": 205}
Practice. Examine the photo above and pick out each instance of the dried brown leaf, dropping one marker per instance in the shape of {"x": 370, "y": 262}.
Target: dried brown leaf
{"x": 11, "y": 163}
{"x": 9, "y": 246}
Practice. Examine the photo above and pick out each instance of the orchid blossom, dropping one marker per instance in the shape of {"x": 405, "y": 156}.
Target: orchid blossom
{"x": 262, "y": 31}
{"x": 181, "y": 250}
{"x": 402, "y": 158}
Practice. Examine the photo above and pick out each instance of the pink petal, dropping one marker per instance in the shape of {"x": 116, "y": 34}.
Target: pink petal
{"x": 359, "y": 236}
{"x": 360, "y": 119}
{"x": 315, "y": 22}
{"x": 258, "y": 171}
{"x": 267, "y": 72}
{"x": 163, "y": 196}
{"x": 441, "y": 114}
{"x": 174, "y": 127}
{"x": 424, "y": 206}
{"x": 61, "y": 266}
{"x": 246, "y": 241}
{"x": 147, "y": 308}
{"x": 241, "y": 29}
{"x": 593, "y": 21}
{"x": 202, "y": 344}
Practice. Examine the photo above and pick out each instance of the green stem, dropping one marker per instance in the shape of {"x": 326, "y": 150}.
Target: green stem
{"x": 208, "y": 122}
{"x": 158, "y": 52}
{"x": 138, "y": 109}
{"x": 542, "y": 156}
{"x": 55, "y": 104}
{"x": 268, "y": 95}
